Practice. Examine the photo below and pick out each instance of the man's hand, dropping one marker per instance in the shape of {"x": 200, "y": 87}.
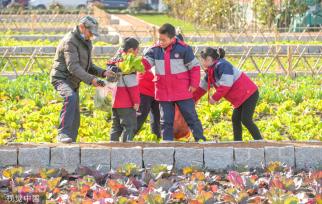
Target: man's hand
{"x": 192, "y": 89}
{"x": 98, "y": 83}
{"x": 111, "y": 76}
{"x": 136, "y": 106}
{"x": 108, "y": 74}
{"x": 212, "y": 101}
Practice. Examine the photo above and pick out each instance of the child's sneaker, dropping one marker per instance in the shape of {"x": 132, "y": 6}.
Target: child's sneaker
{"x": 63, "y": 138}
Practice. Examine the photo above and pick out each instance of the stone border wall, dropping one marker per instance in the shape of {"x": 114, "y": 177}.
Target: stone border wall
{"x": 209, "y": 157}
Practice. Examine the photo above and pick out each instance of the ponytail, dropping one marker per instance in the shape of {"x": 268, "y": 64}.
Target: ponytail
{"x": 221, "y": 53}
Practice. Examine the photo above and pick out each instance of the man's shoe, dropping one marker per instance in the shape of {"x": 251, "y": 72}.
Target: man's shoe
{"x": 64, "y": 138}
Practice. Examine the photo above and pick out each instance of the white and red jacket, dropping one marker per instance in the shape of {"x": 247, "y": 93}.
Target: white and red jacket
{"x": 126, "y": 93}
{"x": 176, "y": 69}
{"x": 229, "y": 82}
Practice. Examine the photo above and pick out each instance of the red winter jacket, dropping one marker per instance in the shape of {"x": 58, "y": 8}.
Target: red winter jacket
{"x": 146, "y": 84}
{"x": 126, "y": 93}
{"x": 229, "y": 82}
{"x": 176, "y": 70}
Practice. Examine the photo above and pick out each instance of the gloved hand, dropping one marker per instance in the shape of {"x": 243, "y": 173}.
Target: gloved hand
{"x": 100, "y": 83}
{"x": 114, "y": 73}
{"x": 97, "y": 83}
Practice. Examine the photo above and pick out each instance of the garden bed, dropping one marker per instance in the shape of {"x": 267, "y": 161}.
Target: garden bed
{"x": 161, "y": 184}
{"x": 288, "y": 109}
{"x": 251, "y": 144}
{"x": 126, "y": 173}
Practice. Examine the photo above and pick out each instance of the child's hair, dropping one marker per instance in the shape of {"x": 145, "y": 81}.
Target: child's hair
{"x": 167, "y": 29}
{"x": 221, "y": 52}
{"x": 213, "y": 53}
{"x": 129, "y": 43}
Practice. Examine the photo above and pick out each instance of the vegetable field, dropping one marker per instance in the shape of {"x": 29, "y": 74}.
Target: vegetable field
{"x": 288, "y": 109}
{"x": 12, "y": 43}
{"x": 286, "y": 66}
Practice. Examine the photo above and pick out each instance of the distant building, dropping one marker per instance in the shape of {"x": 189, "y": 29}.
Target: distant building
{"x": 5, "y": 3}
{"x": 157, "y": 5}
{"x": 247, "y": 6}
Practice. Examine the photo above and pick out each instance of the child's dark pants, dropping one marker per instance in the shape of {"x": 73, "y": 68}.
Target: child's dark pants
{"x": 244, "y": 115}
{"x": 124, "y": 124}
{"x": 149, "y": 105}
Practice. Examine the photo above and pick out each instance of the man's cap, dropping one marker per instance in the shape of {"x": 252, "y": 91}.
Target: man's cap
{"x": 90, "y": 23}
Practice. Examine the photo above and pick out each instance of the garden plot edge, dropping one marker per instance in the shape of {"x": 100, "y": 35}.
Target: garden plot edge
{"x": 210, "y": 156}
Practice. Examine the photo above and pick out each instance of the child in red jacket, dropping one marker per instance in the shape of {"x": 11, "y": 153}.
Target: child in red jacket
{"x": 148, "y": 103}
{"x": 177, "y": 76}
{"x": 233, "y": 85}
{"x": 126, "y": 95}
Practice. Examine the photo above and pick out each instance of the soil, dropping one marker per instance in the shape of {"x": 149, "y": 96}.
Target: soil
{"x": 252, "y": 144}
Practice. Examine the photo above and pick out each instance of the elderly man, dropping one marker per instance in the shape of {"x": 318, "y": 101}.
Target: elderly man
{"x": 73, "y": 64}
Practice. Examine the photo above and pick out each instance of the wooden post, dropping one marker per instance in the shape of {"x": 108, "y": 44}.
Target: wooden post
{"x": 154, "y": 34}
{"x": 277, "y": 37}
{"x": 277, "y": 34}
{"x": 289, "y": 60}
{"x": 33, "y": 21}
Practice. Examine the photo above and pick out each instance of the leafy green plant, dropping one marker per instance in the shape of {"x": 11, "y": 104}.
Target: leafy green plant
{"x": 129, "y": 169}
{"x": 131, "y": 63}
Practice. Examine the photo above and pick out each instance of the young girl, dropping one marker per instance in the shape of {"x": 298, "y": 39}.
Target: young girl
{"x": 126, "y": 96}
{"x": 233, "y": 85}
